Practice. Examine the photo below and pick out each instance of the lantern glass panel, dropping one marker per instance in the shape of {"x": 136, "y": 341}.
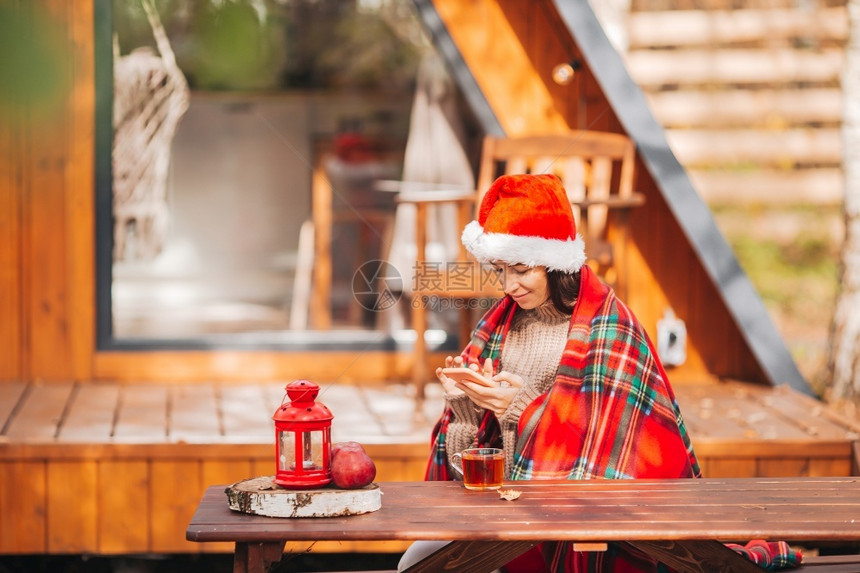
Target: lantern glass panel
{"x": 308, "y": 445}
{"x": 312, "y": 449}
{"x": 287, "y": 450}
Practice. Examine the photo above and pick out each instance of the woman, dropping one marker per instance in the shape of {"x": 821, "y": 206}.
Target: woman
{"x": 581, "y": 392}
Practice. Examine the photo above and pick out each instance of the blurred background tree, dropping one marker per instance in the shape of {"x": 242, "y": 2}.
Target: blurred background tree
{"x": 845, "y": 345}
{"x": 243, "y": 45}
{"x": 32, "y": 78}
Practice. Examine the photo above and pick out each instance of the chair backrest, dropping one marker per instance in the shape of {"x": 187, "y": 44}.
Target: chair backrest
{"x": 596, "y": 168}
{"x": 593, "y": 166}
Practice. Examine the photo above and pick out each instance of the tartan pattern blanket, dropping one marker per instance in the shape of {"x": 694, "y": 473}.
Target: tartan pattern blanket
{"x": 769, "y": 555}
{"x": 610, "y": 413}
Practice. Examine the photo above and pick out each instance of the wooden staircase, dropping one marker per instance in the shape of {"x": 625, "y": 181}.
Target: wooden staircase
{"x": 750, "y": 98}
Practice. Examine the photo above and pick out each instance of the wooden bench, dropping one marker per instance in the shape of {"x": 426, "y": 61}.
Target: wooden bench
{"x": 827, "y": 564}
{"x": 830, "y": 564}
{"x": 813, "y": 564}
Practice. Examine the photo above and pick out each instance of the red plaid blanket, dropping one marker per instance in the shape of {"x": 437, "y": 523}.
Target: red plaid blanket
{"x": 610, "y": 412}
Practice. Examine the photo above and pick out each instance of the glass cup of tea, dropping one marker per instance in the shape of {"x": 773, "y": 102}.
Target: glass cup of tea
{"x": 481, "y": 468}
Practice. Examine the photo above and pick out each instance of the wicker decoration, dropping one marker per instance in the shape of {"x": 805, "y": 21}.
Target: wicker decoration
{"x": 150, "y": 98}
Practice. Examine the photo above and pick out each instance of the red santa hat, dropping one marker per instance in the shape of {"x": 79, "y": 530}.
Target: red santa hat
{"x": 526, "y": 219}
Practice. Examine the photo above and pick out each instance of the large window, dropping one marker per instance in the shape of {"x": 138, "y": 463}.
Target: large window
{"x": 207, "y": 218}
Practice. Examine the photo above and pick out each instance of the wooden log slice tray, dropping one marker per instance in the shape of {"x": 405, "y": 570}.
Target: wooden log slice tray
{"x": 262, "y": 496}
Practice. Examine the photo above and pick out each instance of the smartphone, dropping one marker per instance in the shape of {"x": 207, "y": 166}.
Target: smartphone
{"x": 469, "y": 375}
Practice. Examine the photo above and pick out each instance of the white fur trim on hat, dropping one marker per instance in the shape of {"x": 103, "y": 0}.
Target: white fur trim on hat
{"x": 554, "y": 254}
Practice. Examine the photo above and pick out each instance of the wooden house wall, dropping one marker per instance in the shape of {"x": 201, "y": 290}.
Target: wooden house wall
{"x": 510, "y": 48}
{"x": 47, "y": 216}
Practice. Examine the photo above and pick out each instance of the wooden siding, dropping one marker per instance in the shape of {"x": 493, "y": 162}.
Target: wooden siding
{"x": 663, "y": 271}
{"x": 46, "y": 200}
{"x": 119, "y": 468}
{"x": 10, "y": 254}
{"x": 250, "y": 366}
{"x": 749, "y": 97}
{"x": 486, "y": 36}
{"x": 715, "y": 26}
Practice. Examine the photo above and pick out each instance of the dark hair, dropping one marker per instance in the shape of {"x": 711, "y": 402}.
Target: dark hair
{"x": 563, "y": 289}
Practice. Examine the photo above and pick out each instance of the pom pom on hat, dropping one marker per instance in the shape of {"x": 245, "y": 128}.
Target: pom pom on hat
{"x": 526, "y": 219}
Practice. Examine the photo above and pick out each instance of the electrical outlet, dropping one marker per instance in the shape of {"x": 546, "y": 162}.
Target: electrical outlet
{"x": 671, "y": 339}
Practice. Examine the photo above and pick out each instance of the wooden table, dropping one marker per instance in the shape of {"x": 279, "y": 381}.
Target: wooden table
{"x": 681, "y": 522}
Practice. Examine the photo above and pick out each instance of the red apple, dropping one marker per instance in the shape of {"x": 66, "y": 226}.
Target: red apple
{"x": 337, "y": 446}
{"x": 351, "y": 467}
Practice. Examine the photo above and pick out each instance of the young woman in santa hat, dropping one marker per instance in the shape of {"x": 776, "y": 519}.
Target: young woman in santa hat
{"x": 581, "y": 392}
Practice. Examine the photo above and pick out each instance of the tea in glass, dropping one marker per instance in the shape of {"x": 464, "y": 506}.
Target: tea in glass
{"x": 483, "y": 468}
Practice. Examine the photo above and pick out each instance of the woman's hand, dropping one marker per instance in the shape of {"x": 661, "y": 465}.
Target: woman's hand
{"x": 449, "y": 384}
{"x": 497, "y": 398}
{"x": 505, "y": 378}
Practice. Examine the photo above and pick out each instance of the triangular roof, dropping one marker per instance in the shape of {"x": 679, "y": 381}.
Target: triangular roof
{"x": 736, "y": 293}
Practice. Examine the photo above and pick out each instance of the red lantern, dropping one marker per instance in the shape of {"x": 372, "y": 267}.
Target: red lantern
{"x": 302, "y": 438}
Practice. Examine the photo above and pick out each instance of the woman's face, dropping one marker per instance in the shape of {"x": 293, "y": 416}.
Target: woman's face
{"x": 528, "y": 286}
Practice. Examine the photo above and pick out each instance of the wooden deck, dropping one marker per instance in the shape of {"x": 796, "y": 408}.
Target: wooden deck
{"x": 111, "y": 469}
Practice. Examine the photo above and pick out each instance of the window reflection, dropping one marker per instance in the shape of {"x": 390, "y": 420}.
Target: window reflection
{"x": 281, "y": 93}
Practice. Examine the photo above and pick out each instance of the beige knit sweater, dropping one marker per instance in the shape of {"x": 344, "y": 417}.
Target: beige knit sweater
{"x": 532, "y": 350}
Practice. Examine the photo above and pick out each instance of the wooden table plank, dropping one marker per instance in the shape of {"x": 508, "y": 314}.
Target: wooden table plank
{"x": 654, "y": 516}
{"x": 603, "y": 510}
{"x": 10, "y": 394}
{"x": 193, "y": 414}
{"x": 40, "y": 414}
{"x": 91, "y": 413}
{"x": 142, "y": 414}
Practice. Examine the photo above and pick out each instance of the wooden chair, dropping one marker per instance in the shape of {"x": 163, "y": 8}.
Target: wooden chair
{"x": 597, "y": 171}
{"x": 459, "y": 282}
